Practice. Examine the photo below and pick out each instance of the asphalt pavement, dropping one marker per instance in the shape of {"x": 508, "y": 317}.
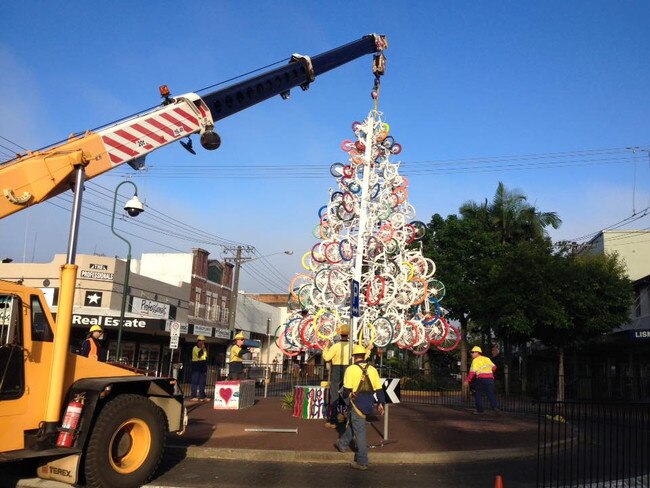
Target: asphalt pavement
{"x": 265, "y": 445}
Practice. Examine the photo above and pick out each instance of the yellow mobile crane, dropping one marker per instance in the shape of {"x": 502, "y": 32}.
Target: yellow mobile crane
{"x": 90, "y": 421}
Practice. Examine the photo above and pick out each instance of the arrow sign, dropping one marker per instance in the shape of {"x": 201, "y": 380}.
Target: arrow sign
{"x": 392, "y": 390}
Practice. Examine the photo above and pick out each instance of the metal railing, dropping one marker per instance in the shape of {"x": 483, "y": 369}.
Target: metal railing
{"x": 593, "y": 444}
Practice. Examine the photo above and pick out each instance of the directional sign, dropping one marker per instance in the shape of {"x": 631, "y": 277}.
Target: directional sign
{"x": 392, "y": 390}
{"x": 355, "y": 298}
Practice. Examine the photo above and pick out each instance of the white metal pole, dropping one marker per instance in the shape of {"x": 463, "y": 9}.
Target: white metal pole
{"x": 386, "y": 421}
{"x": 363, "y": 219}
{"x": 268, "y": 357}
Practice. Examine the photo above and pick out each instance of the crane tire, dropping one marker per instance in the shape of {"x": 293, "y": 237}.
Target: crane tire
{"x": 126, "y": 443}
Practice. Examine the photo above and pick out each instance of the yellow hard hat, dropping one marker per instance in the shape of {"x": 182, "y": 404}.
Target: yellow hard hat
{"x": 344, "y": 329}
{"x": 240, "y": 335}
{"x": 359, "y": 350}
{"x": 200, "y": 338}
{"x": 95, "y": 327}
{"x": 477, "y": 349}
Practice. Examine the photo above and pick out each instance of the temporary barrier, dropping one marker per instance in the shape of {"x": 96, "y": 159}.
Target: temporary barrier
{"x": 310, "y": 402}
{"x": 234, "y": 395}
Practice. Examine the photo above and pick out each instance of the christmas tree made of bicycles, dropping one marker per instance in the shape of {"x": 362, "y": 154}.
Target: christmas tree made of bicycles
{"x": 367, "y": 234}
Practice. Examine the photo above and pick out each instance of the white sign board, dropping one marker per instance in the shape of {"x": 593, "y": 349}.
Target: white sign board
{"x": 175, "y": 329}
{"x": 220, "y": 333}
{"x": 150, "y": 308}
{"x": 184, "y": 328}
{"x": 174, "y": 334}
{"x": 202, "y": 330}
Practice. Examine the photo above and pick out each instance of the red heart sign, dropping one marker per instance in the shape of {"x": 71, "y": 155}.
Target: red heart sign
{"x": 226, "y": 394}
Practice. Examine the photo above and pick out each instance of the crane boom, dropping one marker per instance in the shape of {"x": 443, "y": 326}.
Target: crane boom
{"x": 40, "y": 175}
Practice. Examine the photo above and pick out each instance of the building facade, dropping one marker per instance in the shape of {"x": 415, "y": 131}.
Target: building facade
{"x": 210, "y": 288}
{"x": 151, "y": 306}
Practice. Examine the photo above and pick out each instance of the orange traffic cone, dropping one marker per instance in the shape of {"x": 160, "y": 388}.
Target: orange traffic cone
{"x": 498, "y": 482}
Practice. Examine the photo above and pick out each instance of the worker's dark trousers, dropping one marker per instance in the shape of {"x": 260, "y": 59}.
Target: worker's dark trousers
{"x": 198, "y": 383}
{"x": 484, "y": 386}
{"x": 336, "y": 376}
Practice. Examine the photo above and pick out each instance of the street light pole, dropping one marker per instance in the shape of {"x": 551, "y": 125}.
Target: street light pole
{"x": 134, "y": 207}
{"x": 268, "y": 357}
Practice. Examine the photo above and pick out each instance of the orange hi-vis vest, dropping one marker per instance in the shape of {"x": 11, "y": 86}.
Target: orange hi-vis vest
{"x": 93, "y": 354}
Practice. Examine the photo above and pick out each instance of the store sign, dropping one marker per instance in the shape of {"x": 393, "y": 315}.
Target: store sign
{"x": 91, "y": 274}
{"x": 202, "y": 330}
{"x": 150, "y": 308}
{"x": 220, "y": 333}
{"x": 132, "y": 323}
{"x": 93, "y": 298}
{"x": 640, "y": 335}
{"x": 184, "y": 327}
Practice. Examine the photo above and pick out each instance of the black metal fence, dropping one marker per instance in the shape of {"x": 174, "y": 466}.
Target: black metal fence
{"x": 420, "y": 386}
{"x": 593, "y": 444}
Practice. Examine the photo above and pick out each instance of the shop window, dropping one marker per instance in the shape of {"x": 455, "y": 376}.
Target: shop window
{"x": 12, "y": 368}
{"x": 127, "y": 352}
{"x": 41, "y": 330}
{"x": 149, "y": 357}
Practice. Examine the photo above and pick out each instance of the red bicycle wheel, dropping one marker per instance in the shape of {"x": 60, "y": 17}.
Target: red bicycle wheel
{"x": 452, "y": 339}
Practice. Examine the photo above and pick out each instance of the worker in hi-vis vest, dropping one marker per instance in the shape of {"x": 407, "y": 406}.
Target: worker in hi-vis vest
{"x": 199, "y": 370}
{"x": 91, "y": 347}
{"x": 236, "y": 367}
{"x": 339, "y": 357}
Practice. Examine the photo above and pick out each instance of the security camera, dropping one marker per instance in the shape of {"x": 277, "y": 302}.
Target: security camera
{"x": 134, "y": 207}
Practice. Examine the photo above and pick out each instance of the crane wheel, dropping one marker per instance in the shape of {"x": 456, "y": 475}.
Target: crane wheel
{"x": 126, "y": 444}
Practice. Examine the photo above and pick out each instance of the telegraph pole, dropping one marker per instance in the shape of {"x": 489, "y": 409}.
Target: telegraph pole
{"x": 237, "y": 259}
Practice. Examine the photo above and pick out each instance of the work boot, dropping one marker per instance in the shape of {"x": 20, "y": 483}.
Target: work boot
{"x": 339, "y": 449}
{"x": 361, "y": 467}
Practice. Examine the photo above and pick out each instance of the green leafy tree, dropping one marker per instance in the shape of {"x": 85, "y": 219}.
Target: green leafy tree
{"x": 462, "y": 249}
{"x": 595, "y": 296}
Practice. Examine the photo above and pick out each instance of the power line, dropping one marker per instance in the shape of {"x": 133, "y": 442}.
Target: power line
{"x": 295, "y": 170}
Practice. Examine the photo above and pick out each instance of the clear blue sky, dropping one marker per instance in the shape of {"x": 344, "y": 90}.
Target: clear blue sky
{"x": 464, "y": 80}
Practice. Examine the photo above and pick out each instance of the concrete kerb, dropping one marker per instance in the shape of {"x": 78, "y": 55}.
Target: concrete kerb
{"x": 333, "y": 457}
{"x": 325, "y": 457}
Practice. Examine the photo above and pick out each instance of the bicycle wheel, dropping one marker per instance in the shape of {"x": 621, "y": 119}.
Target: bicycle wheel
{"x": 437, "y": 332}
{"x": 421, "y": 348}
{"x": 383, "y": 332}
{"x": 437, "y": 289}
{"x": 452, "y": 339}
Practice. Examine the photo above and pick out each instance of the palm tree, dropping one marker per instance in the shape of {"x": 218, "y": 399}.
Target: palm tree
{"x": 511, "y": 216}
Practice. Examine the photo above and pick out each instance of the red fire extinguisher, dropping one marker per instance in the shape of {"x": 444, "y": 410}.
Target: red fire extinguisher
{"x": 70, "y": 421}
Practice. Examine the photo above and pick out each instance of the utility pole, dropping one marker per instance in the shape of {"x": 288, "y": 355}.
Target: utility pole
{"x": 237, "y": 259}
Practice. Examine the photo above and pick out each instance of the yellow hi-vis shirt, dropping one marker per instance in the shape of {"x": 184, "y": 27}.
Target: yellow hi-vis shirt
{"x": 352, "y": 381}
{"x": 195, "y": 354}
{"x": 482, "y": 367}
{"x": 235, "y": 354}
{"x": 339, "y": 353}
